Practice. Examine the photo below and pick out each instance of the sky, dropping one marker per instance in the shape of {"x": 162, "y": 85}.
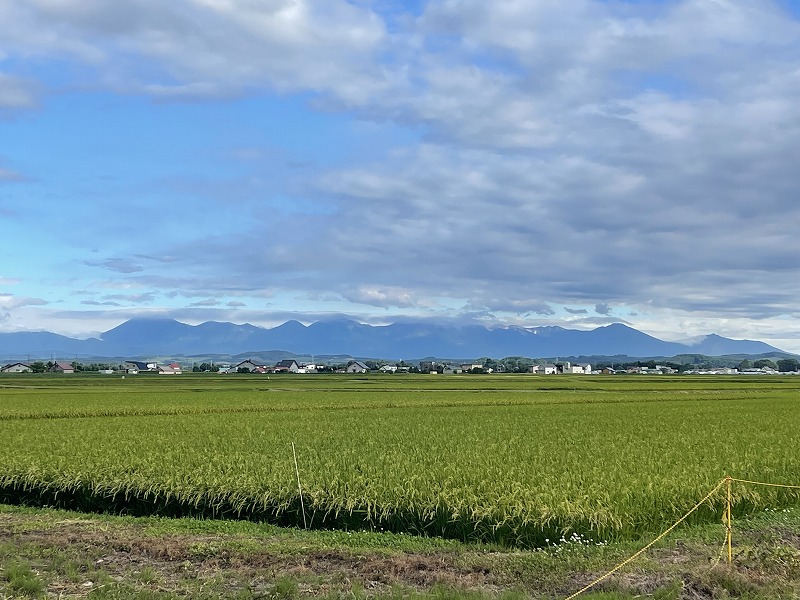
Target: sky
{"x": 518, "y": 162}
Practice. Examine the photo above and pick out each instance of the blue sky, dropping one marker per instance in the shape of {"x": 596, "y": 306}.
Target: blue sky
{"x": 526, "y": 162}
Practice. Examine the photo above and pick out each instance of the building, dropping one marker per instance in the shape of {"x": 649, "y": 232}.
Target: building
{"x": 136, "y": 366}
{"x": 16, "y": 368}
{"x": 62, "y": 366}
{"x": 249, "y": 366}
{"x": 172, "y": 369}
{"x": 288, "y": 366}
{"x": 355, "y": 366}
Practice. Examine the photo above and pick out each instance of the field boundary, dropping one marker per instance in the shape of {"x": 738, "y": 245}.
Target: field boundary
{"x": 727, "y": 519}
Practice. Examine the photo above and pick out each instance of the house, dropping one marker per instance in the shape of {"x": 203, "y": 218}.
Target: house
{"x": 288, "y": 365}
{"x": 388, "y": 369}
{"x": 62, "y": 366}
{"x": 356, "y": 367}
{"x": 133, "y": 367}
{"x": 754, "y": 371}
{"x": 172, "y": 369}
{"x": 16, "y": 368}
{"x": 249, "y": 366}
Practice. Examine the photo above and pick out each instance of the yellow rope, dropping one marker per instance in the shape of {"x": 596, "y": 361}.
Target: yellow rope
{"x": 674, "y": 525}
{"x": 780, "y": 485}
{"x": 648, "y": 546}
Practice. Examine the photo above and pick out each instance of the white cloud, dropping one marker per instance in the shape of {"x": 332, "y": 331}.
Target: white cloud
{"x": 120, "y": 265}
{"x": 144, "y": 298}
{"x": 10, "y": 301}
{"x": 206, "y": 47}
{"x": 387, "y": 296}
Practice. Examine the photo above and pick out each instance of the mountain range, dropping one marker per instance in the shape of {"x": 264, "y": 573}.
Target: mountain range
{"x": 166, "y": 337}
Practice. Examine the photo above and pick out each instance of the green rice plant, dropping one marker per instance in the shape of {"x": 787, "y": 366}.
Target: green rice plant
{"x": 515, "y": 460}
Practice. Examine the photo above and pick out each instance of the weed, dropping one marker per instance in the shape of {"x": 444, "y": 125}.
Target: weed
{"x": 285, "y": 589}
{"x": 22, "y": 580}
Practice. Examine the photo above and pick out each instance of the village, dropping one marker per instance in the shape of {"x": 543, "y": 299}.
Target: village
{"x": 432, "y": 367}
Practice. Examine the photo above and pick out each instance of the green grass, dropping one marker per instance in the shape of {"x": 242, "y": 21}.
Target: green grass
{"x": 102, "y": 556}
{"x": 512, "y": 460}
{"x": 22, "y": 580}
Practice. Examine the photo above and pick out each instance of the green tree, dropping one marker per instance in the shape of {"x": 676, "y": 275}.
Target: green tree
{"x": 38, "y": 367}
{"x": 764, "y": 362}
{"x": 786, "y": 365}
{"x": 745, "y": 364}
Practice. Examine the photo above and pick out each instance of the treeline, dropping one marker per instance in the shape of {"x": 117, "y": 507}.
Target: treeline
{"x": 40, "y": 366}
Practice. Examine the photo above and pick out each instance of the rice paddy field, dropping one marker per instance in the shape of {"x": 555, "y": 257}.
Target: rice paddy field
{"x": 512, "y": 459}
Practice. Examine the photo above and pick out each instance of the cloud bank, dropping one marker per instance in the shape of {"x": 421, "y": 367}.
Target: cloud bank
{"x": 519, "y": 160}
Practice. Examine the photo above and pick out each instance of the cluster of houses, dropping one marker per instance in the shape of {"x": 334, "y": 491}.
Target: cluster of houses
{"x": 21, "y": 367}
{"x": 565, "y": 367}
{"x": 288, "y": 366}
{"x": 134, "y": 367}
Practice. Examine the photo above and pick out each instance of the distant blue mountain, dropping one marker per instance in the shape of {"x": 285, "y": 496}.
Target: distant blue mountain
{"x": 154, "y": 337}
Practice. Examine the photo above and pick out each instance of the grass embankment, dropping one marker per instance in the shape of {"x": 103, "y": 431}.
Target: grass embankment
{"x": 47, "y": 553}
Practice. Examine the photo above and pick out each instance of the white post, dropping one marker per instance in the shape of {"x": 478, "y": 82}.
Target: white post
{"x": 299, "y": 489}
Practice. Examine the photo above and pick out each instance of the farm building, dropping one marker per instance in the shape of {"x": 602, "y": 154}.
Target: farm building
{"x": 16, "y": 368}
{"x": 62, "y": 366}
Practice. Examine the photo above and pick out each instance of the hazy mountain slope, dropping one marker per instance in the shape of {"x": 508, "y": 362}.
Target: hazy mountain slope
{"x": 139, "y": 337}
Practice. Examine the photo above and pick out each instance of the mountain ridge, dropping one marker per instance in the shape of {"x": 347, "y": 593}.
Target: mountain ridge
{"x": 342, "y": 336}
